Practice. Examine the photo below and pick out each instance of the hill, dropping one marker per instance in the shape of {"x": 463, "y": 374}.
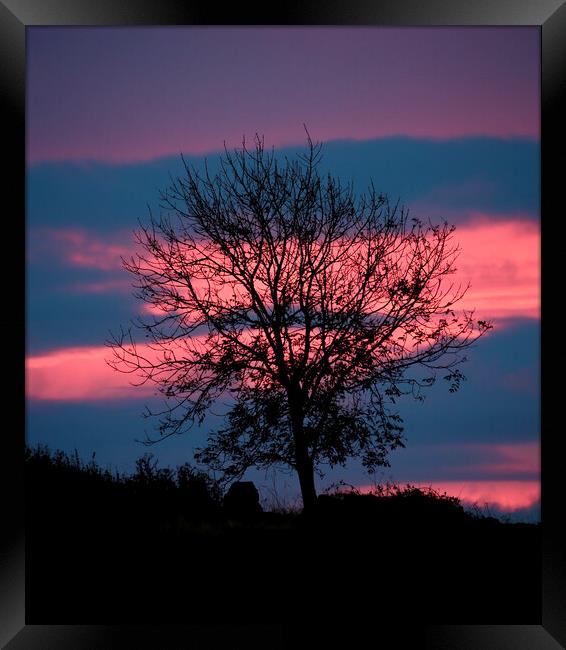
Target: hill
{"x": 158, "y": 546}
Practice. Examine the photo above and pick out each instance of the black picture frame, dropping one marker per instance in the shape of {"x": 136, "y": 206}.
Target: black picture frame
{"x": 550, "y": 16}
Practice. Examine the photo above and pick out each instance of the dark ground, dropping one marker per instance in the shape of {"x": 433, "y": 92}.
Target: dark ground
{"x": 104, "y": 552}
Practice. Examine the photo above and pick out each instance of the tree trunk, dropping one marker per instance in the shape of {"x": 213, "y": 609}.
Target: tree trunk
{"x": 305, "y": 470}
{"x": 304, "y": 463}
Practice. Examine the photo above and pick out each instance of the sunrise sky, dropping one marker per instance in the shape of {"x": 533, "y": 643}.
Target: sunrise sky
{"x": 445, "y": 119}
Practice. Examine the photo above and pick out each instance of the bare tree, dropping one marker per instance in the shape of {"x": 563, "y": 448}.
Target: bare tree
{"x": 303, "y": 307}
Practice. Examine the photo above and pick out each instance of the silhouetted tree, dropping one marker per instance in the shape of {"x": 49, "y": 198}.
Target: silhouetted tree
{"x": 307, "y": 308}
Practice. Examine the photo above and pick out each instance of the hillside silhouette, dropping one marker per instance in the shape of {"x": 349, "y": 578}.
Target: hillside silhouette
{"x": 166, "y": 545}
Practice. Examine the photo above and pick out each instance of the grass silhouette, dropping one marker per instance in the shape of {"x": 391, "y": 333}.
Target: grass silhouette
{"x": 157, "y": 545}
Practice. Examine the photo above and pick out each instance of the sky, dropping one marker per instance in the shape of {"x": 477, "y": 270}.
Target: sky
{"x": 447, "y": 120}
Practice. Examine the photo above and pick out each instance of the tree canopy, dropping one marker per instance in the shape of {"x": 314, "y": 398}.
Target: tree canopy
{"x": 305, "y": 308}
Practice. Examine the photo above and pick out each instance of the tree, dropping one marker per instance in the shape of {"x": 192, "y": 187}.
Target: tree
{"x": 303, "y": 307}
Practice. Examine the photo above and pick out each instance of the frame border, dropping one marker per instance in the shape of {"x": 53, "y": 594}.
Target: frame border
{"x": 550, "y": 16}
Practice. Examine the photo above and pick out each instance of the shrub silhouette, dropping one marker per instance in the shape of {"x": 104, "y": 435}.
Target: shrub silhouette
{"x": 390, "y": 505}
{"x": 151, "y": 494}
{"x": 58, "y": 484}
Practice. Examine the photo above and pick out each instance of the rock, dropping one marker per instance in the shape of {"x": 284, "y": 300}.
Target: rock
{"x": 242, "y": 501}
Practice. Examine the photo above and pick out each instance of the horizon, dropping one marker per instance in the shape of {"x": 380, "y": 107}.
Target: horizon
{"x": 481, "y": 171}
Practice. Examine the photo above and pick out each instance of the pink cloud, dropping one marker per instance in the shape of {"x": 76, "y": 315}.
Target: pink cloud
{"x": 507, "y": 458}
{"x": 78, "y": 374}
{"x": 81, "y": 248}
{"x": 485, "y": 460}
{"x": 504, "y": 495}
{"x": 104, "y": 286}
{"x": 153, "y": 310}
{"x": 501, "y": 261}
{"x": 507, "y": 496}
{"x": 83, "y": 374}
